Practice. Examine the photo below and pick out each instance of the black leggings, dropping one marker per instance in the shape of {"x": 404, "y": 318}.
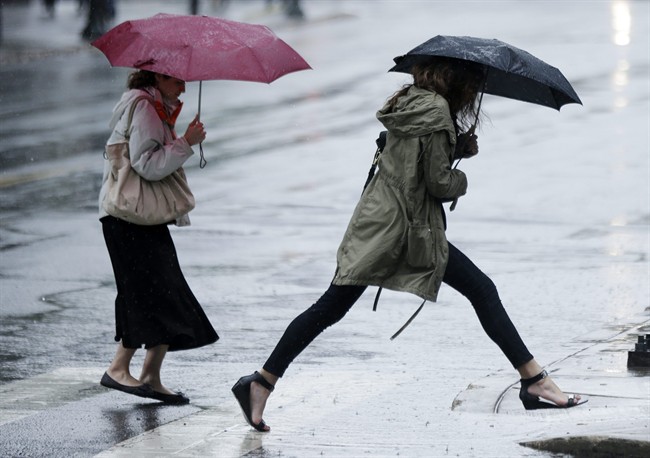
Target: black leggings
{"x": 461, "y": 274}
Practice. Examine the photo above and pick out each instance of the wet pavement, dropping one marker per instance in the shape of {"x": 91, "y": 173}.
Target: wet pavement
{"x": 557, "y": 213}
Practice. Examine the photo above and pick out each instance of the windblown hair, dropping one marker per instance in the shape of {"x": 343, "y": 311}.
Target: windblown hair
{"x": 140, "y": 79}
{"x": 458, "y": 81}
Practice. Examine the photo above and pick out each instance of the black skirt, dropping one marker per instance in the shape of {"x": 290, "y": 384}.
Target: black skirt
{"x": 154, "y": 303}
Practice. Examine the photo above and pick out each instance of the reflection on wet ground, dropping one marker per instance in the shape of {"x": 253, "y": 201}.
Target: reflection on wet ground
{"x": 58, "y": 340}
{"x": 96, "y": 424}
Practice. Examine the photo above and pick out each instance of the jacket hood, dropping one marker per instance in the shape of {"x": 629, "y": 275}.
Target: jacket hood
{"x": 418, "y": 112}
{"x": 125, "y": 102}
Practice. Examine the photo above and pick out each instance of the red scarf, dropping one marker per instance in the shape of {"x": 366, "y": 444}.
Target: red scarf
{"x": 168, "y": 119}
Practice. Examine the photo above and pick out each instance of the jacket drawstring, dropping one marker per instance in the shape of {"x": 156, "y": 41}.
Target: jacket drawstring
{"x": 399, "y": 331}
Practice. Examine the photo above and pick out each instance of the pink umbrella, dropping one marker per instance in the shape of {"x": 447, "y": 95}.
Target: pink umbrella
{"x": 197, "y": 48}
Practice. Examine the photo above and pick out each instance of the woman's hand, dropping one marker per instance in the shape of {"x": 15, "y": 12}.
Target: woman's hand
{"x": 195, "y": 132}
{"x": 466, "y": 146}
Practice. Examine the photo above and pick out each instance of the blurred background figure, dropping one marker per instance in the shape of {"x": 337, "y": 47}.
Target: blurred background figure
{"x": 220, "y": 6}
{"x": 100, "y": 15}
{"x": 83, "y": 6}
{"x": 50, "y": 8}
{"x": 194, "y": 7}
{"x": 291, "y": 8}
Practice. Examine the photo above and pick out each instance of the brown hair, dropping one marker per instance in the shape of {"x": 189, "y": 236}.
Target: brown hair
{"x": 142, "y": 78}
{"x": 458, "y": 81}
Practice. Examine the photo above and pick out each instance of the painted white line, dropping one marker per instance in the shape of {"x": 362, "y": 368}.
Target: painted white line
{"x": 66, "y": 384}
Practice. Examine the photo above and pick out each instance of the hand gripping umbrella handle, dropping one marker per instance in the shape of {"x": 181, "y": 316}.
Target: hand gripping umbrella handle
{"x": 470, "y": 131}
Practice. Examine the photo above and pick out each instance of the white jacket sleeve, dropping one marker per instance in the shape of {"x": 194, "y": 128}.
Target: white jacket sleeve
{"x": 154, "y": 153}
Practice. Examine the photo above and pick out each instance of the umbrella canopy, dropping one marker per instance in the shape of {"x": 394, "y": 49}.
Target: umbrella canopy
{"x": 197, "y": 48}
{"x": 510, "y": 72}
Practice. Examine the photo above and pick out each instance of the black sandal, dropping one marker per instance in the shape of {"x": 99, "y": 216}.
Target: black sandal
{"x": 532, "y": 402}
{"x": 242, "y": 392}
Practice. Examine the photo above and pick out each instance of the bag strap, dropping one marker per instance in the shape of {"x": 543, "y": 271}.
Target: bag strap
{"x": 381, "y": 142}
{"x": 127, "y": 133}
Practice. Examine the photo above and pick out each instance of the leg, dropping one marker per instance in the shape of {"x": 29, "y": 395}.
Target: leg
{"x": 329, "y": 309}
{"x": 462, "y": 275}
{"x": 467, "y": 279}
{"x": 119, "y": 368}
{"x": 151, "y": 368}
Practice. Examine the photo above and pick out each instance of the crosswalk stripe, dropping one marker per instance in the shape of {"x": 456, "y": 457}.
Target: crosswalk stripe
{"x": 44, "y": 391}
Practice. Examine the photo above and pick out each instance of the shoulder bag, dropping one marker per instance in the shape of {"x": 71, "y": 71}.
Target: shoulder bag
{"x": 139, "y": 201}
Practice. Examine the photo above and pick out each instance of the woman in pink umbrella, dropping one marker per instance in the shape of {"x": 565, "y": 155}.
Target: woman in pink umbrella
{"x": 155, "y": 307}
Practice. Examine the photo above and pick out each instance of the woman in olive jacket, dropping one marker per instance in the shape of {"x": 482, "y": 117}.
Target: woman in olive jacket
{"x": 396, "y": 236}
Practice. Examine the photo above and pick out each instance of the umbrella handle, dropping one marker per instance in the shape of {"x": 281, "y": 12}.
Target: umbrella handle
{"x": 202, "y": 161}
{"x": 200, "y": 86}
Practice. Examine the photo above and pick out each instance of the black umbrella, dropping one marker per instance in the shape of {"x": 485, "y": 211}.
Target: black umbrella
{"x": 510, "y": 72}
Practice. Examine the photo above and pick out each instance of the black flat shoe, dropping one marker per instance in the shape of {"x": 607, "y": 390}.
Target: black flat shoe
{"x": 242, "y": 392}
{"x": 532, "y": 402}
{"x": 143, "y": 391}
{"x": 176, "y": 398}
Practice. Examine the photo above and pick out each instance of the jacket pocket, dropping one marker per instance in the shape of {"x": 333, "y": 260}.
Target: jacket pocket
{"x": 419, "y": 246}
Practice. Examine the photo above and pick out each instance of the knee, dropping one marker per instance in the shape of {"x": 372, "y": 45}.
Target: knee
{"x": 484, "y": 293}
{"x": 325, "y": 317}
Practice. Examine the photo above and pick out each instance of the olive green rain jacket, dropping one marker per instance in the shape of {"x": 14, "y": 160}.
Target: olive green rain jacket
{"x": 396, "y": 237}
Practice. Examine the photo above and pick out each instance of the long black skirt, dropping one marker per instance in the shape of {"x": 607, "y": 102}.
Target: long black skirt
{"x": 154, "y": 304}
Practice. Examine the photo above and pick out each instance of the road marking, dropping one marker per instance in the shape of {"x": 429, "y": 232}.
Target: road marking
{"x": 66, "y": 384}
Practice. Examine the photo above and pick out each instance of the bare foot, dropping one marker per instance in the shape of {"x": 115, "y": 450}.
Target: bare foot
{"x": 123, "y": 378}
{"x": 259, "y": 395}
{"x": 547, "y": 389}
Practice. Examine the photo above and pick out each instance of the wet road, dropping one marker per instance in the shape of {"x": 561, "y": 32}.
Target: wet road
{"x": 554, "y": 214}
